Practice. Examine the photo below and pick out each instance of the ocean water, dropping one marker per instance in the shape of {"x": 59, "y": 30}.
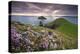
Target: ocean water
{"x": 35, "y": 21}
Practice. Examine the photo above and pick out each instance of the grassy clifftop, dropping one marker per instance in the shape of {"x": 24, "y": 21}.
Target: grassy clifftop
{"x": 68, "y": 32}
{"x": 64, "y": 26}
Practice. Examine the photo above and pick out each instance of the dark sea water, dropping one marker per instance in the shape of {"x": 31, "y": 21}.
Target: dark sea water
{"x": 35, "y": 21}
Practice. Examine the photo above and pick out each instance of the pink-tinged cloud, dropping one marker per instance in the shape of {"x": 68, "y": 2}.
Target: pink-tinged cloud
{"x": 37, "y": 9}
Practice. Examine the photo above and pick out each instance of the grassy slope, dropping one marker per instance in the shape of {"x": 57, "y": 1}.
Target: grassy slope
{"x": 67, "y": 31}
{"x": 65, "y": 27}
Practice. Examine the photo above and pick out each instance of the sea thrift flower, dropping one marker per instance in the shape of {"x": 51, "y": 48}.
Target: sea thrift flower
{"x": 15, "y": 37}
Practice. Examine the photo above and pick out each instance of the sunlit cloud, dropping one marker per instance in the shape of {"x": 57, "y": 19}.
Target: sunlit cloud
{"x": 32, "y": 6}
{"x": 56, "y": 11}
{"x": 30, "y": 14}
{"x": 46, "y": 10}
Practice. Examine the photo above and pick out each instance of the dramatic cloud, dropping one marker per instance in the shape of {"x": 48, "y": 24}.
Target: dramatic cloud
{"x": 38, "y": 9}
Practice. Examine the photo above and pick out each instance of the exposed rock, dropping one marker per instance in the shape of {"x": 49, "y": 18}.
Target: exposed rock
{"x": 42, "y": 40}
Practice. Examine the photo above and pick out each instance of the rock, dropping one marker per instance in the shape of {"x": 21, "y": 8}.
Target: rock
{"x": 29, "y": 28}
{"x": 51, "y": 45}
{"x": 55, "y": 45}
{"x": 50, "y": 36}
{"x": 19, "y": 35}
{"x": 43, "y": 31}
{"x": 54, "y": 40}
{"x": 27, "y": 41}
{"x": 55, "y": 34}
{"x": 37, "y": 34}
{"x": 44, "y": 43}
{"x": 25, "y": 35}
{"x": 42, "y": 40}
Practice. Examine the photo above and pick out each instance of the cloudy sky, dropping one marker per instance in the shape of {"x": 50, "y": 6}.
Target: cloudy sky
{"x": 41, "y": 9}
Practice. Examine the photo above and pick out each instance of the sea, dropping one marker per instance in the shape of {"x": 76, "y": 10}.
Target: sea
{"x": 35, "y": 21}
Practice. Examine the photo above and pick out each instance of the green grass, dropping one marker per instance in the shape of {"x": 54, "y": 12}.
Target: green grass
{"x": 65, "y": 27}
{"x": 68, "y": 32}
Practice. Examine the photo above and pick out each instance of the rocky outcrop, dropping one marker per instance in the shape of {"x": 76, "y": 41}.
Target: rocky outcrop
{"x": 31, "y": 40}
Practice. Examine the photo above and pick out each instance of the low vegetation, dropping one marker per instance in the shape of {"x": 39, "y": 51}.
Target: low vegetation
{"x": 56, "y": 35}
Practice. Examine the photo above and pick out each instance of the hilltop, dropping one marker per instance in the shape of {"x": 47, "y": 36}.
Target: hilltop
{"x": 64, "y": 26}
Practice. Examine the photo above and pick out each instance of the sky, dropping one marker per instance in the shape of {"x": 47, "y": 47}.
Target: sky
{"x": 42, "y": 9}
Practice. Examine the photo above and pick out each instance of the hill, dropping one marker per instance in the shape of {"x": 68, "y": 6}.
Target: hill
{"x": 66, "y": 31}
{"x": 64, "y": 26}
